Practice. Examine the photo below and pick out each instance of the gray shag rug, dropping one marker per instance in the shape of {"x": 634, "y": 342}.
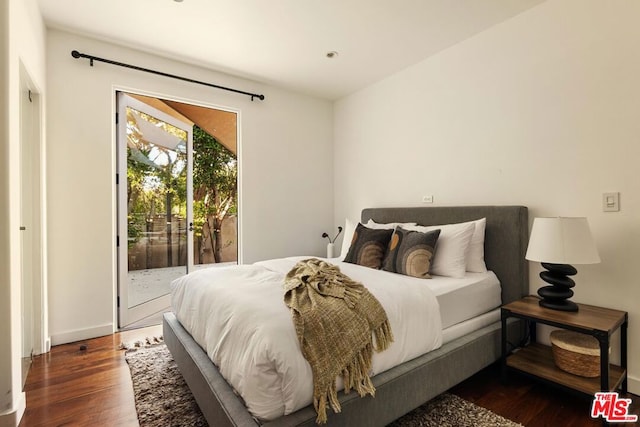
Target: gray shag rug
{"x": 163, "y": 398}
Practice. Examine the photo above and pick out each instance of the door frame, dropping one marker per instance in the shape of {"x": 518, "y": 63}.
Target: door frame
{"x": 37, "y": 226}
{"x": 136, "y": 91}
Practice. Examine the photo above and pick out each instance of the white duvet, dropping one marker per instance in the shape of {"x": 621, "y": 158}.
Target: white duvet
{"x": 237, "y": 314}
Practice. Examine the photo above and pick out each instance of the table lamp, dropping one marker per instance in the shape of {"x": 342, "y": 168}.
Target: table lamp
{"x": 557, "y": 243}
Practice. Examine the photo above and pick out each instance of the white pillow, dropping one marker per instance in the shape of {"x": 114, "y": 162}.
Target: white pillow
{"x": 388, "y": 225}
{"x": 347, "y": 237}
{"x": 475, "y": 258}
{"x": 452, "y": 247}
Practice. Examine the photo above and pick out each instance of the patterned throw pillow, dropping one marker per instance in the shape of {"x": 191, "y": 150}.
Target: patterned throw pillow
{"x": 410, "y": 252}
{"x": 368, "y": 247}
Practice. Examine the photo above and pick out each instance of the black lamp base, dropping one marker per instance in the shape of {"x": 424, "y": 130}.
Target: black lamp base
{"x": 556, "y": 296}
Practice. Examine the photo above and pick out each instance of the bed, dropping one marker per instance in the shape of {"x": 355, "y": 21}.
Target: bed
{"x": 466, "y": 350}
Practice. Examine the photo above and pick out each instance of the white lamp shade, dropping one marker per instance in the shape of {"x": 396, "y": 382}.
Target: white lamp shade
{"x": 562, "y": 240}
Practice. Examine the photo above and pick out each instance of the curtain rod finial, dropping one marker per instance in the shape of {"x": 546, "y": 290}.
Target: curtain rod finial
{"x": 75, "y": 54}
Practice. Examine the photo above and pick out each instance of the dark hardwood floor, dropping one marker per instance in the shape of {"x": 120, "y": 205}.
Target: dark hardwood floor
{"x": 92, "y": 387}
{"x": 531, "y": 402}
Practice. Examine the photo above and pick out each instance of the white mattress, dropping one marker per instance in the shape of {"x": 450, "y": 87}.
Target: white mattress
{"x": 467, "y": 326}
{"x": 465, "y": 298}
{"x": 460, "y": 299}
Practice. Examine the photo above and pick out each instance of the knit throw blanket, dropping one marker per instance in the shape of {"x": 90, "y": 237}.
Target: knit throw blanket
{"x": 336, "y": 320}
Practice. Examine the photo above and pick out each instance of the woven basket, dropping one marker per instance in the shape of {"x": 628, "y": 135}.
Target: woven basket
{"x": 576, "y": 353}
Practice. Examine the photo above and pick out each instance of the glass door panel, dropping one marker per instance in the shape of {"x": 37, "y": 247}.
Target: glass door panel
{"x": 155, "y": 207}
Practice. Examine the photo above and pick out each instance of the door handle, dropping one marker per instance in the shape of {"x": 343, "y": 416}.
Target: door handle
{"x": 22, "y": 228}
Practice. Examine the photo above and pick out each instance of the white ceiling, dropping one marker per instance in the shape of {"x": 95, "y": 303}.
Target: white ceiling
{"x": 284, "y": 42}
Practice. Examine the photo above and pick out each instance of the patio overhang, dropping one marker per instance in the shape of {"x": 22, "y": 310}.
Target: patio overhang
{"x": 220, "y": 124}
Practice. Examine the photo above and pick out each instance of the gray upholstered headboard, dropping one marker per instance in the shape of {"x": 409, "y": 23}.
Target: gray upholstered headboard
{"x": 505, "y": 243}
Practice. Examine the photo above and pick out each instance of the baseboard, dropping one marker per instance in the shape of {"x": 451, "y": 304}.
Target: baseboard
{"x": 81, "y": 334}
{"x": 633, "y": 385}
{"x": 12, "y": 419}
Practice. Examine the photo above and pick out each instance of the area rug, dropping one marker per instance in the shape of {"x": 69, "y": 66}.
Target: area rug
{"x": 163, "y": 398}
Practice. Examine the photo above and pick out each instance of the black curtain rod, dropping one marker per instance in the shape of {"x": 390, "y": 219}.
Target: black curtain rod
{"x": 92, "y": 58}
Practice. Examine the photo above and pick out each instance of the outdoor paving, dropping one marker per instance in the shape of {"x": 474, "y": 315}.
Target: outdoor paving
{"x": 145, "y": 285}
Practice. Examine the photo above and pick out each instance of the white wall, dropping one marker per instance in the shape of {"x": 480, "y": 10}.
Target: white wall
{"x": 285, "y": 162}
{"x": 22, "y": 43}
{"x": 541, "y": 110}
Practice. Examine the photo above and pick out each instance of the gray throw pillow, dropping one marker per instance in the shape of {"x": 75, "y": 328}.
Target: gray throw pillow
{"x": 368, "y": 246}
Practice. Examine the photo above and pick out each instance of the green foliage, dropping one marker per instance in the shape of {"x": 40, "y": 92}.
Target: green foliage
{"x": 157, "y": 176}
{"x": 215, "y": 174}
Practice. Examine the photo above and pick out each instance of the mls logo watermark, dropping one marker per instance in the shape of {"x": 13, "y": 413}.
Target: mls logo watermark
{"x": 612, "y": 408}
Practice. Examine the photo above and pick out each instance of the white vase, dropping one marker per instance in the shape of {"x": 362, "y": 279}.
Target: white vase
{"x": 330, "y": 247}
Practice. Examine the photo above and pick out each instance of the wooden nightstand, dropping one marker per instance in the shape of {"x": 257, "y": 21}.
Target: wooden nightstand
{"x": 536, "y": 359}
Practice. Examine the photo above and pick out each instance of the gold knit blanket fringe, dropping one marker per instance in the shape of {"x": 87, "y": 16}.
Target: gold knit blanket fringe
{"x": 339, "y": 324}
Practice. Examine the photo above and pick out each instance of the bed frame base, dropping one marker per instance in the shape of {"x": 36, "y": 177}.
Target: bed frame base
{"x": 398, "y": 390}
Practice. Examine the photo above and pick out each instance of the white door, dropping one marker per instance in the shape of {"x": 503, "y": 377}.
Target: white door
{"x": 28, "y": 216}
{"x": 155, "y": 207}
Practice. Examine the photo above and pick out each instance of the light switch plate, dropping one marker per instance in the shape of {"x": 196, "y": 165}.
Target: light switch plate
{"x": 610, "y": 202}
{"x": 427, "y": 199}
